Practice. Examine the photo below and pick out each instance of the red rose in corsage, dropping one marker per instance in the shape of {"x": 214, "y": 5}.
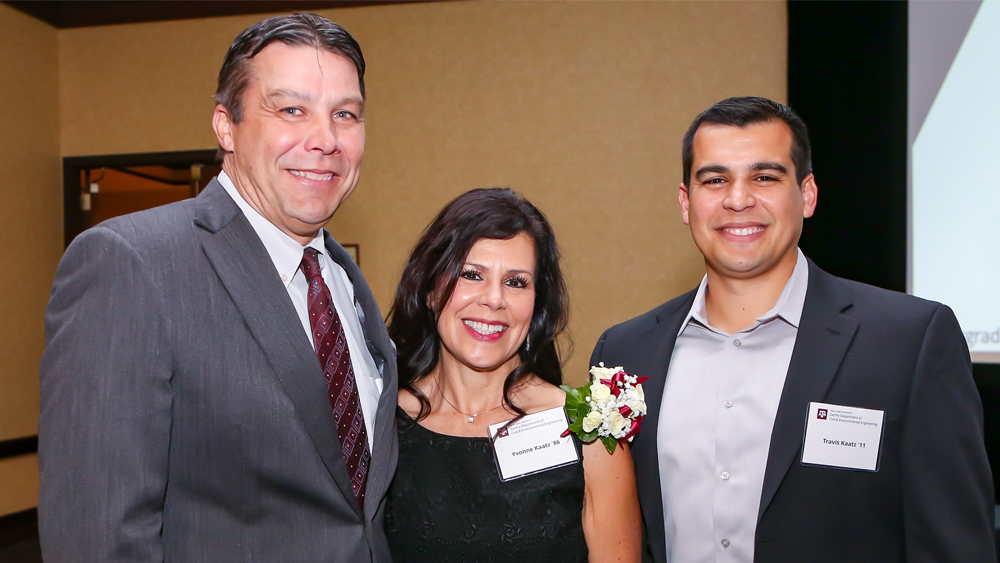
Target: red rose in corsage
{"x": 610, "y": 407}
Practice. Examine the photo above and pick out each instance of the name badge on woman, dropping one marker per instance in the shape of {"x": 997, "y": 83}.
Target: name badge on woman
{"x": 532, "y": 444}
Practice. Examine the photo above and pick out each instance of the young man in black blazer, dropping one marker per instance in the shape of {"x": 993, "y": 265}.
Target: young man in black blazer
{"x": 795, "y": 416}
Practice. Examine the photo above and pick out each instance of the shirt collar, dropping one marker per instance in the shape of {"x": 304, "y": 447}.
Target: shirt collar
{"x": 285, "y": 252}
{"x": 788, "y": 306}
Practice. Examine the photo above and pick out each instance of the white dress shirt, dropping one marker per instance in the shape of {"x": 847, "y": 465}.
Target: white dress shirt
{"x": 719, "y": 402}
{"x": 286, "y": 254}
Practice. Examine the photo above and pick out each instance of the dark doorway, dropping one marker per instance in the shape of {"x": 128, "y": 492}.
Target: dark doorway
{"x": 97, "y": 188}
{"x": 19, "y": 538}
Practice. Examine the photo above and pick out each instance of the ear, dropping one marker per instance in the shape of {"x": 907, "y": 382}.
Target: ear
{"x": 685, "y": 201}
{"x": 810, "y": 193}
{"x": 223, "y": 125}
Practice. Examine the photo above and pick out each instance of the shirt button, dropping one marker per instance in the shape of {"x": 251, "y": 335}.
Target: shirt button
{"x": 725, "y": 543}
{"x": 284, "y": 278}
{"x": 737, "y": 343}
{"x": 728, "y": 403}
{"x": 725, "y": 475}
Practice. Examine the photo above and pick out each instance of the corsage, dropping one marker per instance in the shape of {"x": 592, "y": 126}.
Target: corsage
{"x": 610, "y": 407}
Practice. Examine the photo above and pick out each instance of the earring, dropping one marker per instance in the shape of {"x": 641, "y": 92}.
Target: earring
{"x": 527, "y": 343}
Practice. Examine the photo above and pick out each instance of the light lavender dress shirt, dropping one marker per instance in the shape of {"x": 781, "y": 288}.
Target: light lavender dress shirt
{"x": 286, "y": 254}
{"x": 719, "y": 403}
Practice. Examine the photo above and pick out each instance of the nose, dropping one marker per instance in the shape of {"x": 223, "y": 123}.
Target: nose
{"x": 740, "y": 196}
{"x": 493, "y": 296}
{"x": 323, "y": 138}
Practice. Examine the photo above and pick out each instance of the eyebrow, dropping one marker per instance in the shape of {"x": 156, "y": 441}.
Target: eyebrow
{"x": 711, "y": 169}
{"x": 759, "y": 166}
{"x": 286, "y": 93}
{"x": 355, "y": 100}
{"x": 482, "y": 267}
{"x": 755, "y": 167}
{"x": 306, "y": 97}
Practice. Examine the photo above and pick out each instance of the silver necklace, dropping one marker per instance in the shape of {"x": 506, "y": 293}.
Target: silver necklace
{"x": 472, "y": 417}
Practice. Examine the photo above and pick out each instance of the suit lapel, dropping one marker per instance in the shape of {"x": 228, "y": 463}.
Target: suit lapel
{"x": 377, "y": 340}
{"x": 245, "y": 269}
{"x": 823, "y": 337}
{"x": 660, "y": 338}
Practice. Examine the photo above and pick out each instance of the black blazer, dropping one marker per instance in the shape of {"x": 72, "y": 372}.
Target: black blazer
{"x": 857, "y": 345}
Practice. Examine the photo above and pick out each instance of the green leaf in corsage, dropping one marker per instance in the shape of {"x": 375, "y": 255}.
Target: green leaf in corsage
{"x": 610, "y": 407}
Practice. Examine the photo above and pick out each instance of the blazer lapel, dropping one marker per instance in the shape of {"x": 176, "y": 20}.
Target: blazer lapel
{"x": 824, "y": 335}
{"x": 661, "y": 339}
{"x": 383, "y": 464}
{"x": 242, "y": 263}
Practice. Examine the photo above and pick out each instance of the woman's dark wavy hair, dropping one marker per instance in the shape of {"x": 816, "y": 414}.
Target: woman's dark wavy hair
{"x": 437, "y": 261}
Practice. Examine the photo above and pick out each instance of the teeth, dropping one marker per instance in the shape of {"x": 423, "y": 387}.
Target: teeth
{"x": 745, "y": 231}
{"x": 485, "y": 329}
{"x": 311, "y": 175}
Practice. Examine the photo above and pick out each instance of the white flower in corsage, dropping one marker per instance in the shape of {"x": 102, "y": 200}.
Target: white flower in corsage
{"x": 610, "y": 407}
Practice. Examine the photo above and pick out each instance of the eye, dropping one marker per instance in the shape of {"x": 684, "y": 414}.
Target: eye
{"x": 766, "y": 178}
{"x": 714, "y": 181}
{"x": 344, "y": 114}
{"x": 470, "y": 274}
{"x": 519, "y": 282}
{"x": 292, "y": 111}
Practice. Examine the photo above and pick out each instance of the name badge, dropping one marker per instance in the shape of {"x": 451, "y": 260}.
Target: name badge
{"x": 532, "y": 444}
{"x": 844, "y": 437}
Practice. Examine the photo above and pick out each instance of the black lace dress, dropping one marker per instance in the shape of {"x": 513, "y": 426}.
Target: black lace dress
{"x": 447, "y": 504}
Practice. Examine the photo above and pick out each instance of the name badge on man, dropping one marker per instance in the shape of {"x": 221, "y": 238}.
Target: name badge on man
{"x": 844, "y": 437}
{"x": 532, "y": 444}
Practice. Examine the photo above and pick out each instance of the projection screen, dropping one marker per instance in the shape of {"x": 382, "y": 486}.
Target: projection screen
{"x": 954, "y": 164}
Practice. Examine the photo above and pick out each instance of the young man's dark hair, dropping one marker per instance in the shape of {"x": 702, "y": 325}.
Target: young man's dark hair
{"x": 749, "y": 110}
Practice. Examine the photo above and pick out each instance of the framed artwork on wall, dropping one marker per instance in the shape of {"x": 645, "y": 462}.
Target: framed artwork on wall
{"x": 354, "y": 251}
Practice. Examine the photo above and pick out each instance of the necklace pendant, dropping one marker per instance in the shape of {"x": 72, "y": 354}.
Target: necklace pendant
{"x": 472, "y": 418}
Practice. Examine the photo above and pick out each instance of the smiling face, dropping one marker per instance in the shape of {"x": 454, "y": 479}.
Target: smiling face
{"x": 744, "y": 207}
{"x": 296, "y": 155}
{"x": 487, "y": 317}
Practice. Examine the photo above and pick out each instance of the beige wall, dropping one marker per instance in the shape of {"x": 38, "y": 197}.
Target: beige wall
{"x": 18, "y": 484}
{"x": 30, "y": 231}
{"x": 578, "y": 105}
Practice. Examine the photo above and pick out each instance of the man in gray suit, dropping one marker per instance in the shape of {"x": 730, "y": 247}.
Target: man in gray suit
{"x": 218, "y": 384}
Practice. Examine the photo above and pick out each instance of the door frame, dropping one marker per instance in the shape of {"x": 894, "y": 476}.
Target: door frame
{"x": 73, "y": 165}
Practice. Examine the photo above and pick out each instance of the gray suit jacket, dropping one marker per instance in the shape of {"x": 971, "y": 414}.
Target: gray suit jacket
{"x": 184, "y": 415}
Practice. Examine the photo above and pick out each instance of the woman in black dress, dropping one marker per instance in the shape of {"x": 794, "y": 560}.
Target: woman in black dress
{"x": 476, "y": 319}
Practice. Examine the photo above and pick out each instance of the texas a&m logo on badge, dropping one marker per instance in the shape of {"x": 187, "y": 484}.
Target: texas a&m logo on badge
{"x": 821, "y": 414}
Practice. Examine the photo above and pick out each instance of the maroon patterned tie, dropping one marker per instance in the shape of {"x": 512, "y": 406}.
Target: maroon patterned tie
{"x": 335, "y": 359}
